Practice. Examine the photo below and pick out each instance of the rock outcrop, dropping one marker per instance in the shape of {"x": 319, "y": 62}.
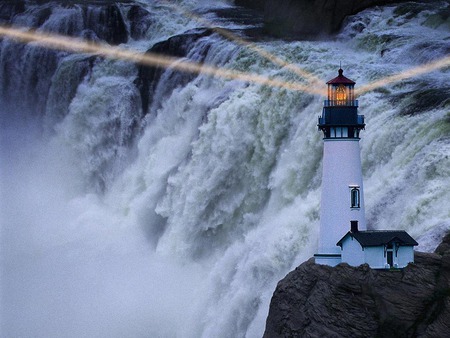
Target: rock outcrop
{"x": 344, "y": 301}
{"x": 308, "y": 19}
{"x": 176, "y": 46}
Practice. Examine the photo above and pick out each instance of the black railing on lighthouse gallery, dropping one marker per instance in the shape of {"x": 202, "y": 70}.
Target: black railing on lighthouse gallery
{"x": 344, "y": 103}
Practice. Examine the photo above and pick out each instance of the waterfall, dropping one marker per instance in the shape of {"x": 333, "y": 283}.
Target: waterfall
{"x": 139, "y": 201}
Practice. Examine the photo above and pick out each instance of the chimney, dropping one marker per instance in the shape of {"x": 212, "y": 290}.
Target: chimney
{"x": 354, "y": 226}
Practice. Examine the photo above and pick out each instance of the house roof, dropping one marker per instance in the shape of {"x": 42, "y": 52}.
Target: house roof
{"x": 380, "y": 237}
{"x": 341, "y": 79}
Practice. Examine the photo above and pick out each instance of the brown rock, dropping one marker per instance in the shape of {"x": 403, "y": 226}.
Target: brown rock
{"x": 344, "y": 301}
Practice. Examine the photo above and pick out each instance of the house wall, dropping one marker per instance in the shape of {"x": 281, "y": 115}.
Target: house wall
{"x": 374, "y": 256}
{"x": 405, "y": 255}
{"x": 352, "y": 252}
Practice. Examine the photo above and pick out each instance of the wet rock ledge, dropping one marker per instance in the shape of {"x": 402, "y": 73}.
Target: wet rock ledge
{"x": 316, "y": 300}
{"x": 308, "y": 19}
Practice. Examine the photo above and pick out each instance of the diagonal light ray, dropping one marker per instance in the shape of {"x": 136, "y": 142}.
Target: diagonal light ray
{"x": 76, "y": 45}
{"x": 249, "y": 45}
{"x": 70, "y": 44}
{"x": 314, "y": 80}
{"x": 413, "y": 72}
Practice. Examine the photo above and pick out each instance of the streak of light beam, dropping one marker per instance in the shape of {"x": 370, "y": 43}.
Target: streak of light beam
{"x": 413, "y": 72}
{"x": 70, "y": 44}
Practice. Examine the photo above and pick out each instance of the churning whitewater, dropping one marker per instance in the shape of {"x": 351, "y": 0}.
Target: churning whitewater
{"x": 141, "y": 202}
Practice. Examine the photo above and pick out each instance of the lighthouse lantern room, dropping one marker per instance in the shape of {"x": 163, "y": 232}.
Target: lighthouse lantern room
{"x": 342, "y": 200}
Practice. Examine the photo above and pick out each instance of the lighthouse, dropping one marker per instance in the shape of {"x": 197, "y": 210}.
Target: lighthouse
{"x": 342, "y": 201}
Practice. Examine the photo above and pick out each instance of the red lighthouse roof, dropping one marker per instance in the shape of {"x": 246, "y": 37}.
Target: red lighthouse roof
{"x": 341, "y": 79}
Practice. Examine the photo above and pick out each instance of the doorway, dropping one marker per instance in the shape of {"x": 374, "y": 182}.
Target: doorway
{"x": 390, "y": 255}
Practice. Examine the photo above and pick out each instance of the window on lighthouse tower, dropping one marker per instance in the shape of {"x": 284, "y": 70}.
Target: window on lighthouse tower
{"x": 341, "y": 95}
{"x": 354, "y": 197}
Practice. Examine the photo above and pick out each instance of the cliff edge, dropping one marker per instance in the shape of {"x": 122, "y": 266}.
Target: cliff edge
{"x": 344, "y": 301}
{"x": 308, "y": 19}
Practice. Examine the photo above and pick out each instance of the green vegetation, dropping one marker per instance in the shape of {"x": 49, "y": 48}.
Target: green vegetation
{"x": 374, "y": 42}
{"x": 438, "y": 20}
{"x": 410, "y": 9}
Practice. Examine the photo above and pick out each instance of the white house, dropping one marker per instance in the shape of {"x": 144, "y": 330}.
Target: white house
{"x": 380, "y": 249}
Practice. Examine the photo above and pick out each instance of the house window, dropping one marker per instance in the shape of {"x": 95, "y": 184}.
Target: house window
{"x": 354, "y": 197}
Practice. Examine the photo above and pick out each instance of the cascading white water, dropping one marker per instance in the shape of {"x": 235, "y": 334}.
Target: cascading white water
{"x": 180, "y": 224}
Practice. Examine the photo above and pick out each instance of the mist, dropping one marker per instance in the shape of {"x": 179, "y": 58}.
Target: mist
{"x": 71, "y": 265}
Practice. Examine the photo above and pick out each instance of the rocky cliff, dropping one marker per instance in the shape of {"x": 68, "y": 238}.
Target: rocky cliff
{"x": 308, "y": 19}
{"x": 344, "y": 301}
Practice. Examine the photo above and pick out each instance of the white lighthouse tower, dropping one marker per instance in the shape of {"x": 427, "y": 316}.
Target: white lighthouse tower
{"x": 342, "y": 200}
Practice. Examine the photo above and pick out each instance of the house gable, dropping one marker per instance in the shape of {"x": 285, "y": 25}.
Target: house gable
{"x": 351, "y": 251}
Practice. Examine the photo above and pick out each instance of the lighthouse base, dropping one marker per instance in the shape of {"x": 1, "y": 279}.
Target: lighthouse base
{"x": 328, "y": 259}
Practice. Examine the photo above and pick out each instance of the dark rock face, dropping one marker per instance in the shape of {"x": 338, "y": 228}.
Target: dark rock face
{"x": 444, "y": 247}
{"x": 140, "y": 21}
{"x": 255, "y": 4}
{"x": 176, "y": 46}
{"x": 316, "y": 300}
{"x": 108, "y": 23}
{"x": 308, "y": 19}
{"x": 251, "y": 17}
{"x": 422, "y": 100}
{"x": 9, "y": 9}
